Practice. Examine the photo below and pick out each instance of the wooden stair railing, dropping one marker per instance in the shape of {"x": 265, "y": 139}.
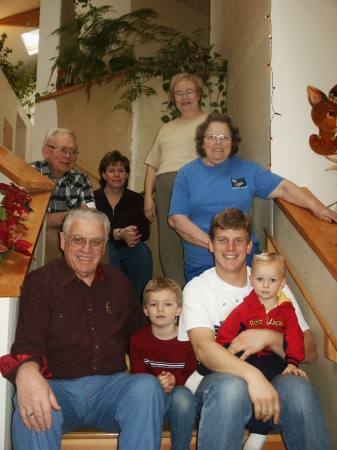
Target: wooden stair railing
{"x": 330, "y": 341}
{"x": 321, "y": 236}
{"x": 14, "y": 268}
{"x": 87, "y": 171}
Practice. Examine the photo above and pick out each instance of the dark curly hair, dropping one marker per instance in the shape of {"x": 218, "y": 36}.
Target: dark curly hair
{"x": 113, "y": 158}
{"x": 201, "y": 130}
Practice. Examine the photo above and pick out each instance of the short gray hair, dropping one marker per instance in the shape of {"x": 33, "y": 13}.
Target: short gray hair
{"x": 90, "y": 214}
{"x": 51, "y": 134}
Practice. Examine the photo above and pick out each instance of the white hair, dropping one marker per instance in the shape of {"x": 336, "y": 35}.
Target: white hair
{"x": 53, "y": 133}
{"x": 90, "y": 214}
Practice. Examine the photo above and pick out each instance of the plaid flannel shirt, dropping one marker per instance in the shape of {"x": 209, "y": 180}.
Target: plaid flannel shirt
{"x": 71, "y": 191}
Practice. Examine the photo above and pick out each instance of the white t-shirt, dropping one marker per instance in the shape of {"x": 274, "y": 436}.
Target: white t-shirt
{"x": 207, "y": 301}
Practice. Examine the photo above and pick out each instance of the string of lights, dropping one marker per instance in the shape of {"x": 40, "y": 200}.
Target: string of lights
{"x": 273, "y": 87}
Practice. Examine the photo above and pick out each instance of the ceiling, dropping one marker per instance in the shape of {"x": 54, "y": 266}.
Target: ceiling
{"x": 8, "y": 9}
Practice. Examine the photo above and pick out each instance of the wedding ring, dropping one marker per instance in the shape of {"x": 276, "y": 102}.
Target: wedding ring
{"x": 30, "y": 415}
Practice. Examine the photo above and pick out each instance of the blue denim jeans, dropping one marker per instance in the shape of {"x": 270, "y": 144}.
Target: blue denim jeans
{"x": 226, "y": 408}
{"x": 135, "y": 262}
{"x": 194, "y": 271}
{"x": 180, "y": 414}
{"x": 132, "y": 405}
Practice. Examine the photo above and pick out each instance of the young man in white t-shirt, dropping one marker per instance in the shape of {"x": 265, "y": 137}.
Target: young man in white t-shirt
{"x": 226, "y": 396}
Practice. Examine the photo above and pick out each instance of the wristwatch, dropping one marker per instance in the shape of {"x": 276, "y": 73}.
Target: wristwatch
{"x": 119, "y": 234}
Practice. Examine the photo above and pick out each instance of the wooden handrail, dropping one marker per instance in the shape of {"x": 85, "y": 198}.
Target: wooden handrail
{"x": 84, "y": 169}
{"x": 329, "y": 352}
{"x": 14, "y": 268}
{"x": 321, "y": 236}
{"x": 21, "y": 173}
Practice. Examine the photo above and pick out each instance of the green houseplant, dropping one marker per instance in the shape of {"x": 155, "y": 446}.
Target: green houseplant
{"x": 99, "y": 48}
{"x": 22, "y": 82}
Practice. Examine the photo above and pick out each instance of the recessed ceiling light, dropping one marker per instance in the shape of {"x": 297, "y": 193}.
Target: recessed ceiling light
{"x": 31, "y": 41}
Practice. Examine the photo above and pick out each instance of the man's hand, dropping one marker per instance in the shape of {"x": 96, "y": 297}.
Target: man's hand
{"x": 249, "y": 342}
{"x": 295, "y": 371}
{"x": 262, "y": 394}
{"x": 264, "y": 397}
{"x": 167, "y": 381}
{"x": 35, "y": 398}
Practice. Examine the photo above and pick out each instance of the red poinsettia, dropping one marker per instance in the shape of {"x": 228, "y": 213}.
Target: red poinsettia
{"x": 18, "y": 211}
{"x": 14, "y": 208}
{"x": 12, "y": 242}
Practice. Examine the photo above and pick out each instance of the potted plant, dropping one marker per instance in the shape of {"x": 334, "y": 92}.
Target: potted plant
{"x": 100, "y": 48}
{"x": 22, "y": 82}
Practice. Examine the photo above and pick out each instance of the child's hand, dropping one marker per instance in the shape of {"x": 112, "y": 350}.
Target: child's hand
{"x": 294, "y": 370}
{"x": 167, "y": 381}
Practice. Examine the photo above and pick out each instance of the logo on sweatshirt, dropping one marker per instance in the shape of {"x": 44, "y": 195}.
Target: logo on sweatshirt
{"x": 238, "y": 183}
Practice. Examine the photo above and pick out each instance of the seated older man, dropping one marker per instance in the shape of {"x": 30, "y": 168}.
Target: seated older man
{"x": 73, "y": 188}
{"x": 68, "y": 359}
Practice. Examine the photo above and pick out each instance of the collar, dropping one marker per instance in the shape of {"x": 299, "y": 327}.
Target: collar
{"x": 100, "y": 194}
{"x": 68, "y": 275}
{"x": 282, "y": 298}
{"x": 99, "y": 273}
{"x": 46, "y": 170}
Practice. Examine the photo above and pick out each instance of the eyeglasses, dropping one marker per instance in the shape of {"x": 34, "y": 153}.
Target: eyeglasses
{"x": 73, "y": 152}
{"x": 214, "y": 137}
{"x": 80, "y": 241}
{"x": 188, "y": 93}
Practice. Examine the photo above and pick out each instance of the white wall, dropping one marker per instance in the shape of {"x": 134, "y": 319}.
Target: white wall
{"x": 304, "y": 52}
{"x": 8, "y": 313}
{"x": 12, "y": 111}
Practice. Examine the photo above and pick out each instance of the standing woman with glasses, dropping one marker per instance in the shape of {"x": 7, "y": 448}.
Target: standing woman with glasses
{"x": 173, "y": 147}
{"x": 72, "y": 188}
{"x": 129, "y": 226}
{"x": 219, "y": 180}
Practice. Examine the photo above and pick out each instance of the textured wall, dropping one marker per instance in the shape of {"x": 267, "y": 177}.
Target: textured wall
{"x": 241, "y": 34}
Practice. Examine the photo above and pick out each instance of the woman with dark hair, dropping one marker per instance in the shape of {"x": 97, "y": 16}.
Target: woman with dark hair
{"x": 129, "y": 227}
{"x": 173, "y": 147}
{"x": 219, "y": 180}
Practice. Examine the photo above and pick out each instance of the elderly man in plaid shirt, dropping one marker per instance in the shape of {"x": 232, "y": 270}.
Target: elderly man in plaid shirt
{"x": 73, "y": 188}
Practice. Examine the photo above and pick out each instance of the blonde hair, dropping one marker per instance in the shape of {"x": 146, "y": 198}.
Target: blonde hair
{"x": 270, "y": 257}
{"x": 160, "y": 284}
